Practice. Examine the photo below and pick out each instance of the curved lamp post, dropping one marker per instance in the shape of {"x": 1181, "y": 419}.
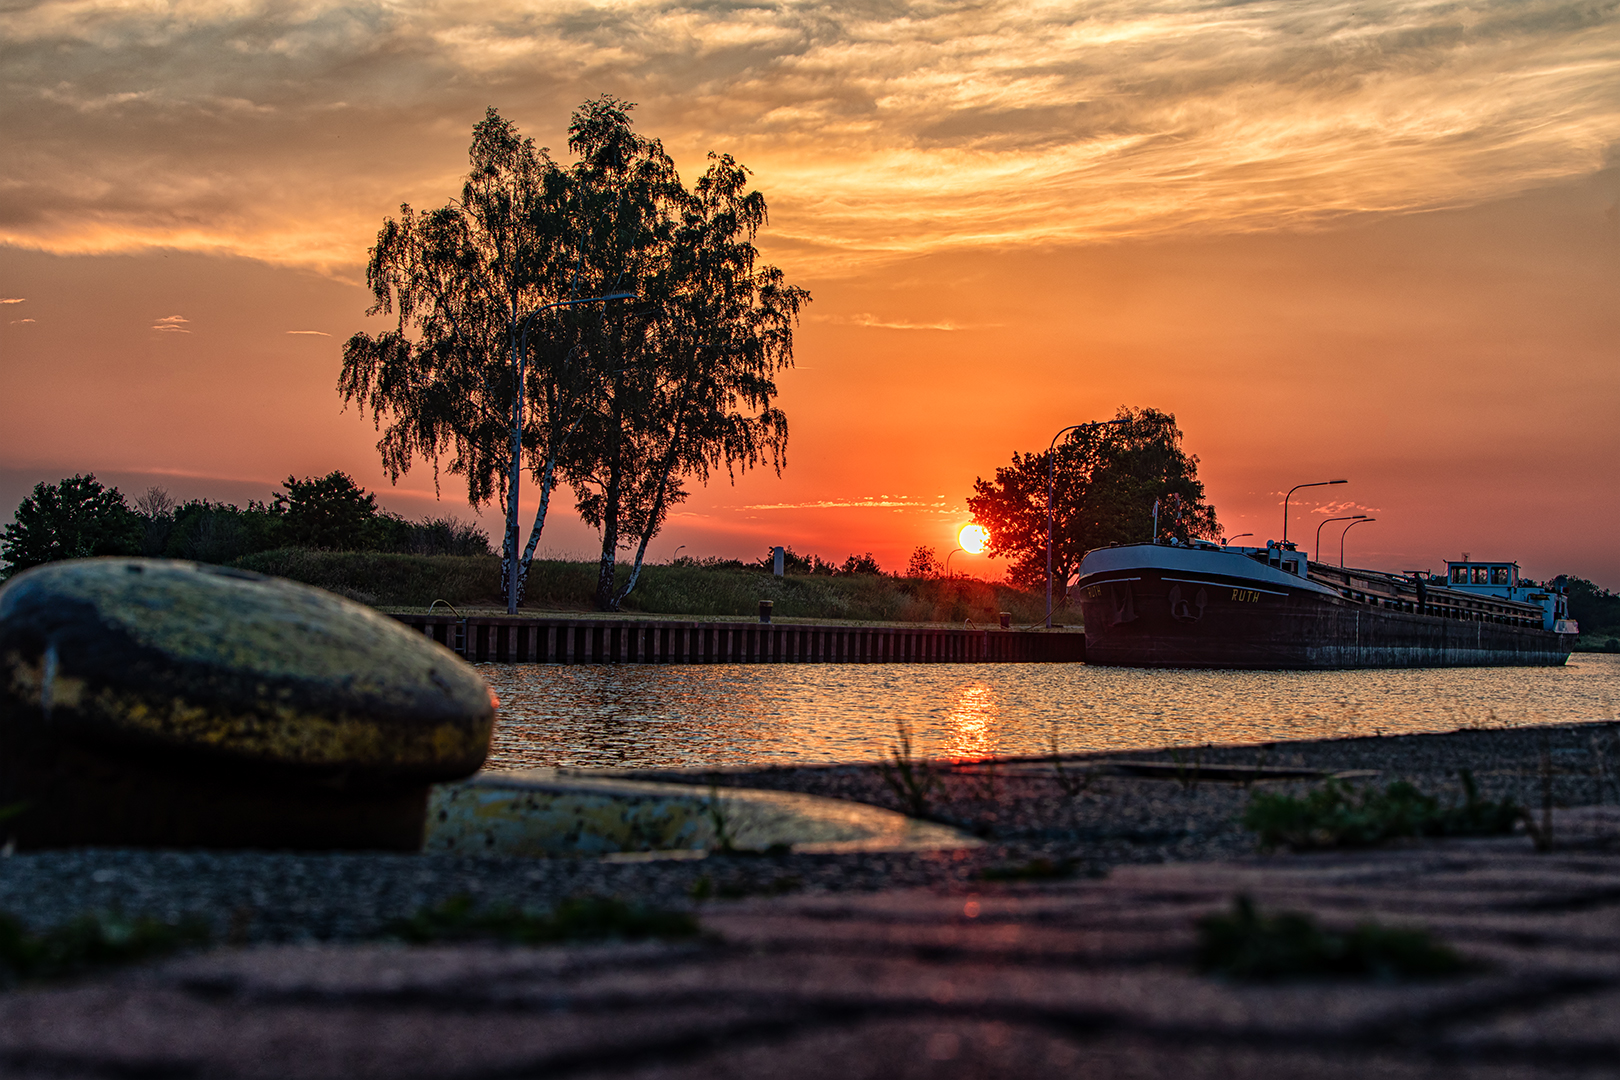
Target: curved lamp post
{"x": 1352, "y": 517}
{"x": 1296, "y": 487}
{"x": 1228, "y": 539}
{"x": 948, "y": 562}
{"x": 513, "y": 529}
{"x": 1051, "y": 481}
{"x": 1364, "y": 520}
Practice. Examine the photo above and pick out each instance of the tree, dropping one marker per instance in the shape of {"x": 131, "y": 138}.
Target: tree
{"x": 861, "y": 564}
{"x": 692, "y": 366}
{"x": 924, "y": 563}
{"x": 71, "y": 519}
{"x": 475, "y": 285}
{"x": 331, "y": 513}
{"x": 1107, "y": 480}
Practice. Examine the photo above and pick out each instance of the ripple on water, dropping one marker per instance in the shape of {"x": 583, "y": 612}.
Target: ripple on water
{"x": 646, "y": 716}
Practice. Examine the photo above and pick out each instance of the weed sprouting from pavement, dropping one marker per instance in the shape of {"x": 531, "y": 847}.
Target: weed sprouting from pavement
{"x": 1251, "y": 946}
{"x": 590, "y": 918}
{"x": 913, "y": 780}
{"x": 1338, "y": 815}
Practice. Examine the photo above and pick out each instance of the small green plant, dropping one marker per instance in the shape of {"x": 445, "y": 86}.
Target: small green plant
{"x": 717, "y": 817}
{"x": 705, "y": 887}
{"x": 590, "y": 918}
{"x": 1248, "y": 945}
{"x": 1071, "y": 784}
{"x": 1337, "y": 815}
{"x": 913, "y": 781}
{"x": 1037, "y": 869}
{"x": 1189, "y": 768}
{"x": 91, "y": 941}
{"x": 1541, "y": 834}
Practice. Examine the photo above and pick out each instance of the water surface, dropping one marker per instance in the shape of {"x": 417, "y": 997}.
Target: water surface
{"x": 641, "y": 716}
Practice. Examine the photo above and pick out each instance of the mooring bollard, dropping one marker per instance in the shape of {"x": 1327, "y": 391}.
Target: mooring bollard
{"x": 765, "y": 610}
{"x": 1006, "y": 620}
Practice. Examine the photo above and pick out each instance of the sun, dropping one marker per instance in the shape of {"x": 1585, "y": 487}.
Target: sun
{"x": 972, "y": 538}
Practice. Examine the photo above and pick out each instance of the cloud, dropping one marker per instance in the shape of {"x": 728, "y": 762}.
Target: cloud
{"x": 286, "y": 131}
{"x": 171, "y": 324}
{"x": 865, "y": 319}
{"x": 316, "y": 333}
{"x": 15, "y": 322}
{"x": 870, "y": 502}
{"x": 13, "y": 299}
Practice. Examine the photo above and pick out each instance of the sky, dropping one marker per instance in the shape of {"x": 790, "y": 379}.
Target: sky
{"x": 1374, "y": 240}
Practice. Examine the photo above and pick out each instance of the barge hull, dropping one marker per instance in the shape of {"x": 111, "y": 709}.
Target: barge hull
{"x": 1144, "y": 620}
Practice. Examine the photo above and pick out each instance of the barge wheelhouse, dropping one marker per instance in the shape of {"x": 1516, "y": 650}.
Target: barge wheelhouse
{"x": 1204, "y": 605}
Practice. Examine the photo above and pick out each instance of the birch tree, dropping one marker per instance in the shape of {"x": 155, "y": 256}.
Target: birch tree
{"x": 475, "y": 286}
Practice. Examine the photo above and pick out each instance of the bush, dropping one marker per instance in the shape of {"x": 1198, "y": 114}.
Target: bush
{"x": 90, "y": 941}
{"x": 581, "y": 919}
{"x": 1249, "y": 945}
{"x": 1337, "y": 815}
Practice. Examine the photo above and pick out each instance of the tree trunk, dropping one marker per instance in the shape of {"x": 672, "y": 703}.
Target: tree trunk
{"x": 610, "y": 504}
{"x": 510, "y": 582}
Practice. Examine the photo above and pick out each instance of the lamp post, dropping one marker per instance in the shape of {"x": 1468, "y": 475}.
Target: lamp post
{"x": 1352, "y": 517}
{"x": 1362, "y": 521}
{"x": 513, "y": 529}
{"x": 1229, "y": 539}
{"x": 1051, "y": 482}
{"x": 1296, "y": 487}
{"x": 948, "y": 562}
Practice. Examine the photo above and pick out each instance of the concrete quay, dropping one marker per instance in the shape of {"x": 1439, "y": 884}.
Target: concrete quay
{"x": 585, "y": 640}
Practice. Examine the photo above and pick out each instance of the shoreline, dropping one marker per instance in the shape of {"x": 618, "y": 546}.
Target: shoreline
{"x": 1025, "y": 819}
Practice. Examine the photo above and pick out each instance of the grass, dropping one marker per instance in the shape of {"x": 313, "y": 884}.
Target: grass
{"x": 1250, "y": 946}
{"x": 579, "y": 919}
{"x": 1037, "y": 869}
{"x": 1337, "y": 815}
{"x": 91, "y": 941}
{"x": 686, "y": 588}
{"x": 913, "y": 780}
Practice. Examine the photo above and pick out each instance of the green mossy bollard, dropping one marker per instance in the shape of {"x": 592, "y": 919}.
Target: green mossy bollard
{"x": 156, "y": 703}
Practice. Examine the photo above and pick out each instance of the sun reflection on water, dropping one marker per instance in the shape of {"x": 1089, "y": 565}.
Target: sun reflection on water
{"x": 646, "y": 716}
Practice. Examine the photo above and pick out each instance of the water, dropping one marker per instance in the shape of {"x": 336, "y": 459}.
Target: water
{"x": 642, "y": 716}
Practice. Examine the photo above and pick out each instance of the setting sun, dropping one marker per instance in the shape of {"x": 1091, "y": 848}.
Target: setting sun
{"x": 972, "y": 538}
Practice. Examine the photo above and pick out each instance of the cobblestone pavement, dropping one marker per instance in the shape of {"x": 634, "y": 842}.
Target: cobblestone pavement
{"x": 1083, "y": 978}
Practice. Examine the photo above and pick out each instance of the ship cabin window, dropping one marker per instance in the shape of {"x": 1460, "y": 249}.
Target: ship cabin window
{"x": 1501, "y": 575}
{"x": 1459, "y": 575}
{"x": 1482, "y": 575}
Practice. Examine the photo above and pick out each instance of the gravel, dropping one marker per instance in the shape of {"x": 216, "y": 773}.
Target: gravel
{"x": 254, "y": 897}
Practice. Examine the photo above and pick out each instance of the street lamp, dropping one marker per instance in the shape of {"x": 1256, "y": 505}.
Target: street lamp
{"x": 1229, "y": 539}
{"x": 513, "y": 530}
{"x": 1051, "y": 482}
{"x": 1352, "y": 517}
{"x": 1296, "y": 487}
{"x": 1363, "y": 520}
{"x": 948, "y": 562}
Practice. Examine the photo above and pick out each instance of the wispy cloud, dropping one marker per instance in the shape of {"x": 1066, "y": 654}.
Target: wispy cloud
{"x": 13, "y": 299}
{"x": 286, "y": 131}
{"x": 172, "y": 324}
{"x": 897, "y": 503}
{"x": 865, "y": 319}
{"x": 313, "y": 333}
{"x": 15, "y": 322}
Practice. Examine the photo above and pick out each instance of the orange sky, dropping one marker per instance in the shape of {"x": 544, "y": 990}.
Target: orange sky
{"x": 1379, "y": 241}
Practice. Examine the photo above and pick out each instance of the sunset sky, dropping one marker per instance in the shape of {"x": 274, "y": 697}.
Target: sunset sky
{"x": 1376, "y": 240}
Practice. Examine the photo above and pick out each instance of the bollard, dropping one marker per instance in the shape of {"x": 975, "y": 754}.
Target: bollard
{"x": 765, "y": 610}
{"x": 1006, "y": 620}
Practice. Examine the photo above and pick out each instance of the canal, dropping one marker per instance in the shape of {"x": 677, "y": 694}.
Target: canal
{"x": 641, "y": 716}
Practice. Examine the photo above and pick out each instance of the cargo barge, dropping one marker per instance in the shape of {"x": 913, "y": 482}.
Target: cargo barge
{"x": 1204, "y": 605}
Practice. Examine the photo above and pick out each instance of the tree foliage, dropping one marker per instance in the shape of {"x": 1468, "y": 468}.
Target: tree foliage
{"x": 626, "y": 403}
{"x": 1106, "y": 482}
{"x": 71, "y": 519}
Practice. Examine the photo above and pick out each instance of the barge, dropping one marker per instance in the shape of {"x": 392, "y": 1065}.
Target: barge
{"x": 1205, "y": 605}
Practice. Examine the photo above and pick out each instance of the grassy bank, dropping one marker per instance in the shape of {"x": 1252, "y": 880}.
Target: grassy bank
{"x": 474, "y": 582}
